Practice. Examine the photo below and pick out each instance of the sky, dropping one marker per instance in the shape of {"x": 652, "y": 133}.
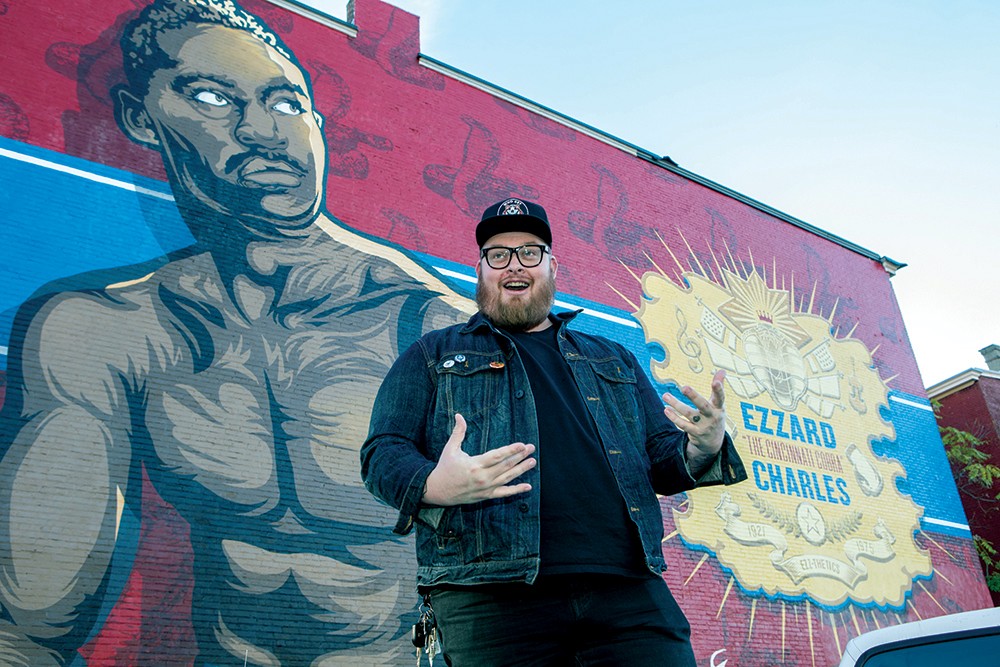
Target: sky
{"x": 877, "y": 121}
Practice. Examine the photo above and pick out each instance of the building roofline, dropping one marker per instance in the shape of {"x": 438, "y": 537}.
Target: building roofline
{"x": 663, "y": 161}
{"x": 301, "y": 9}
{"x": 960, "y": 381}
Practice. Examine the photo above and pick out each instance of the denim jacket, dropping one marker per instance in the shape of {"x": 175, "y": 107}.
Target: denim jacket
{"x": 475, "y": 370}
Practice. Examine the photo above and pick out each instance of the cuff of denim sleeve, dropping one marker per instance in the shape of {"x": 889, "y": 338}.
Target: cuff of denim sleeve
{"x": 726, "y": 468}
{"x": 713, "y": 475}
{"x": 411, "y": 500}
{"x": 730, "y": 463}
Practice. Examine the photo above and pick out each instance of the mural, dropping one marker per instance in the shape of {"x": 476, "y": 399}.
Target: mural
{"x": 193, "y": 342}
{"x": 233, "y": 381}
{"x": 822, "y": 507}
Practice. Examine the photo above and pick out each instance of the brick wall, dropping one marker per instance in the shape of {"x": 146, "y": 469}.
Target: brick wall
{"x": 187, "y": 388}
{"x": 976, "y": 409}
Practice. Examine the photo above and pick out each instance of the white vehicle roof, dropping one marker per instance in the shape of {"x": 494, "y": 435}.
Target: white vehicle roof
{"x": 908, "y": 633}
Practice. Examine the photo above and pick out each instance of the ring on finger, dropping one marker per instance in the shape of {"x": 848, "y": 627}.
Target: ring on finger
{"x": 696, "y": 418}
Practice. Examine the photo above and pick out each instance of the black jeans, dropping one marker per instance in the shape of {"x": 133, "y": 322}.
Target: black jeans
{"x": 563, "y": 621}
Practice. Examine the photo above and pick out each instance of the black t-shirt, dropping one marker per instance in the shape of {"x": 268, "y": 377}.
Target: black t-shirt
{"x": 585, "y": 525}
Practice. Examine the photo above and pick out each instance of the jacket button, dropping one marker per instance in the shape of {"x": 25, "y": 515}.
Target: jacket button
{"x": 519, "y": 393}
{"x": 523, "y": 507}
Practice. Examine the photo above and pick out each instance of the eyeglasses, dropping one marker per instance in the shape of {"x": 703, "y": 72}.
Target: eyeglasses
{"x": 529, "y": 254}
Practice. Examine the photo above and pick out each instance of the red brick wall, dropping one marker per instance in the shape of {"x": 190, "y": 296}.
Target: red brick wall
{"x": 412, "y": 158}
{"x": 976, "y": 409}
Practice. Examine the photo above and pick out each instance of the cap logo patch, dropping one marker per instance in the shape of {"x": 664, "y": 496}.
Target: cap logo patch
{"x": 513, "y": 207}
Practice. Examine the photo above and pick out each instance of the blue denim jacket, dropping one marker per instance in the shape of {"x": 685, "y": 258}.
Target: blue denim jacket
{"x": 475, "y": 370}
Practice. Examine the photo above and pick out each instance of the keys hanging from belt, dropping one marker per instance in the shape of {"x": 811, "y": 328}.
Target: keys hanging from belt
{"x": 424, "y": 633}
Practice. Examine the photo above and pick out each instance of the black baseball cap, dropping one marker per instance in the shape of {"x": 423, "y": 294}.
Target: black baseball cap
{"x": 513, "y": 215}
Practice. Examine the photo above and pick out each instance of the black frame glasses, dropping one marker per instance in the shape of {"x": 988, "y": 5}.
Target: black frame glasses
{"x": 529, "y": 255}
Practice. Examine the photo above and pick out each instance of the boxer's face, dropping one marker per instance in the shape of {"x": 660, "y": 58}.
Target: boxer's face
{"x": 236, "y": 126}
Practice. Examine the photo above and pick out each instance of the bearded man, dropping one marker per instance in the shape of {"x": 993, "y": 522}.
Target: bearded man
{"x": 529, "y": 457}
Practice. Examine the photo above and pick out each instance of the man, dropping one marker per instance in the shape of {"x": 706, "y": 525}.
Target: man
{"x": 237, "y": 376}
{"x": 529, "y": 456}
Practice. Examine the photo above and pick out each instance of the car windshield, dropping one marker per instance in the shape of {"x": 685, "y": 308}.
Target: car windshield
{"x": 962, "y": 650}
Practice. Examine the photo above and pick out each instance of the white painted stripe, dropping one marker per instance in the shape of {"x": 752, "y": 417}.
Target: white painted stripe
{"x": 161, "y": 195}
{"x": 949, "y": 524}
{"x": 90, "y": 176}
{"x": 3, "y": 350}
{"x": 455, "y": 274}
{"x": 598, "y": 314}
{"x": 912, "y": 404}
{"x": 562, "y": 304}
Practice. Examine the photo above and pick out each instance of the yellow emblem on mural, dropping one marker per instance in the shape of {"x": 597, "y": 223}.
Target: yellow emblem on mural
{"x": 820, "y": 515}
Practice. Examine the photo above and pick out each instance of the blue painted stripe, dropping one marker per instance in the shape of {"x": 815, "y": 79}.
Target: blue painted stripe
{"x": 137, "y": 221}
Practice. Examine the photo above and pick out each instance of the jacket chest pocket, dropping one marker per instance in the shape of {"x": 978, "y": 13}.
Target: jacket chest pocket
{"x": 617, "y": 389}
{"x": 471, "y": 384}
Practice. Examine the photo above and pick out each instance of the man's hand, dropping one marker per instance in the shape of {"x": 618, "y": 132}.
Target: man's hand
{"x": 459, "y": 478}
{"x": 705, "y": 424}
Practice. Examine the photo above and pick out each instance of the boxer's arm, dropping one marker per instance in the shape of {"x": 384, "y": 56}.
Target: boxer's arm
{"x": 65, "y": 460}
